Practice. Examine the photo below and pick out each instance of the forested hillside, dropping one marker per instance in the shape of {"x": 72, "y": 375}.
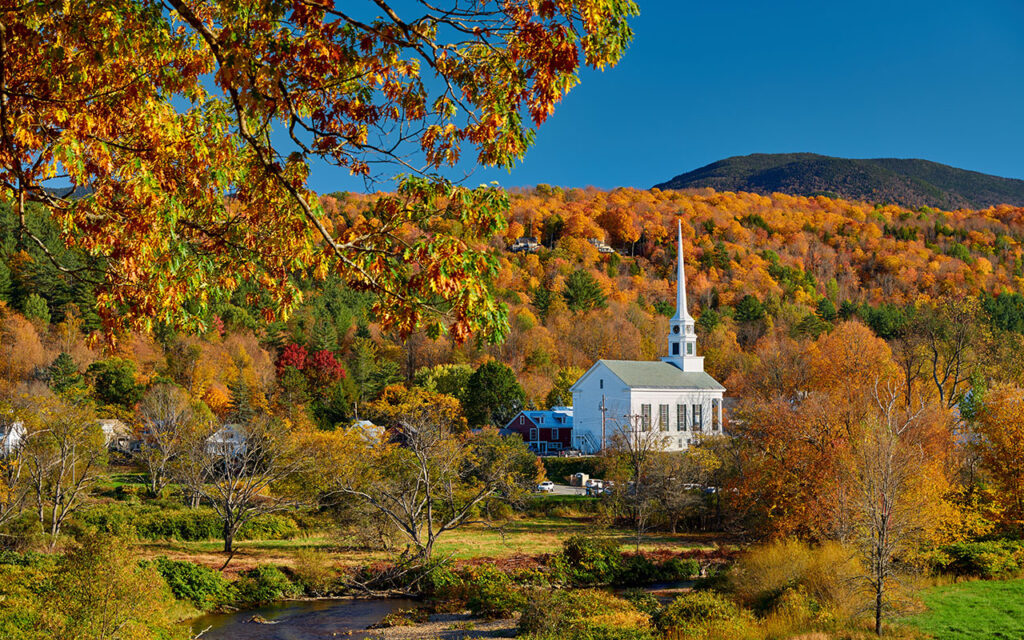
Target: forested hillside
{"x": 907, "y": 182}
{"x": 760, "y": 268}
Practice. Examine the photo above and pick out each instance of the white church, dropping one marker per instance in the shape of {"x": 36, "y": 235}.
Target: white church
{"x": 674, "y": 395}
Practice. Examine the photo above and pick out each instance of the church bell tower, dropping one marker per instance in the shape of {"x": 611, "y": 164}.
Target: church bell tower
{"x": 682, "y": 338}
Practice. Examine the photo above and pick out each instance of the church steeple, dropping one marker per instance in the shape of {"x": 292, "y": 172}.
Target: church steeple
{"x": 682, "y": 339}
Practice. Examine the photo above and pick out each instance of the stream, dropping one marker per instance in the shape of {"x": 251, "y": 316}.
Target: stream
{"x": 301, "y": 620}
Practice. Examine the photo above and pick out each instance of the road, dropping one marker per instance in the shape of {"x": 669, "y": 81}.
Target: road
{"x": 566, "y": 490}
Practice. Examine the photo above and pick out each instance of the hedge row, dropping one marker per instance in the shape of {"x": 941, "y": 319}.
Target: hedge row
{"x": 188, "y": 525}
{"x": 559, "y": 469}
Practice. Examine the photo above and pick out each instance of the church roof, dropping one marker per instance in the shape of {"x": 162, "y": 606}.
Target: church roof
{"x": 660, "y": 375}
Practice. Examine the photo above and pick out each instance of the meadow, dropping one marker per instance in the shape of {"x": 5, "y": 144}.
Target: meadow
{"x": 973, "y": 610}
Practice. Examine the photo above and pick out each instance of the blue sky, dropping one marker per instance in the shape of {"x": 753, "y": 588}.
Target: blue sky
{"x": 938, "y": 80}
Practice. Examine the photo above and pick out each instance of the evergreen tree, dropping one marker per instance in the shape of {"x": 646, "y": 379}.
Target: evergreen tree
{"x": 541, "y": 299}
{"x": 847, "y": 310}
{"x": 826, "y": 310}
{"x": 63, "y": 375}
{"x": 114, "y": 382}
{"x": 493, "y": 395}
{"x": 5, "y": 282}
{"x": 708, "y": 320}
{"x": 241, "y": 407}
{"x": 325, "y": 336}
{"x": 583, "y": 292}
{"x": 749, "y": 309}
{"x": 36, "y": 309}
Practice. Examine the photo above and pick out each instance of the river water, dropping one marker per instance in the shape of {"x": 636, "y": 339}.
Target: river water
{"x": 303, "y": 620}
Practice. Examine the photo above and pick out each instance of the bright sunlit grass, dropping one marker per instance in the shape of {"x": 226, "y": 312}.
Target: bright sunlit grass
{"x": 973, "y": 610}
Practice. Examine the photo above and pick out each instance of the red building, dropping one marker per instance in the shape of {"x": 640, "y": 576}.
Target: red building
{"x": 545, "y": 432}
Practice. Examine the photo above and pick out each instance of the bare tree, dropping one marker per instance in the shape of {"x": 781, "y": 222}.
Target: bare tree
{"x": 946, "y": 331}
{"x": 64, "y": 453}
{"x": 683, "y": 480}
{"x": 636, "y": 443}
{"x": 166, "y": 419}
{"x": 888, "y": 479}
{"x": 427, "y": 475}
{"x": 237, "y": 468}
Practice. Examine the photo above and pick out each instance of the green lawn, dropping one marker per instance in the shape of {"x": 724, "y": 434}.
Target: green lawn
{"x": 973, "y": 610}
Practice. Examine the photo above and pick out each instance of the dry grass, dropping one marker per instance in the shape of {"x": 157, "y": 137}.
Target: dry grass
{"x": 525, "y": 536}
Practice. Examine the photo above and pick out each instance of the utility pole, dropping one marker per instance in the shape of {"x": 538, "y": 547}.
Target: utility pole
{"x": 604, "y": 411}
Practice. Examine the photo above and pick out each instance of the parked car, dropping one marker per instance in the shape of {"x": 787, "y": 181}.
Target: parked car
{"x": 546, "y": 487}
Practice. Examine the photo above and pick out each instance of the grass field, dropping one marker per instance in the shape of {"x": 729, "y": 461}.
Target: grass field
{"x": 973, "y": 610}
{"x": 524, "y": 536}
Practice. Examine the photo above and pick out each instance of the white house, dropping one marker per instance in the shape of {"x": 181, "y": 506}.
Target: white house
{"x": 118, "y": 436}
{"x": 229, "y": 440}
{"x": 674, "y": 395}
{"x": 11, "y": 436}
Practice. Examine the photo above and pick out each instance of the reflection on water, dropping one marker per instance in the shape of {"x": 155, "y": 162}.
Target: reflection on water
{"x": 300, "y": 620}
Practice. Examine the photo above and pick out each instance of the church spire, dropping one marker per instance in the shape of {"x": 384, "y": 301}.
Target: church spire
{"x": 682, "y": 339}
{"x": 681, "y": 311}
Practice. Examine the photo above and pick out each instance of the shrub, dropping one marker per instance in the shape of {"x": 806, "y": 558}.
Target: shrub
{"x": 205, "y": 588}
{"x": 314, "y": 574}
{"x": 592, "y": 560}
{"x": 562, "y": 506}
{"x": 269, "y": 526}
{"x": 703, "y": 614}
{"x": 678, "y": 569}
{"x": 188, "y": 525}
{"x": 439, "y": 580}
{"x": 560, "y": 469}
{"x": 642, "y": 601}
{"x": 492, "y": 593}
{"x": 583, "y": 615}
{"x": 984, "y": 559}
{"x": 827, "y": 573}
{"x": 403, "y": 618}
{"x": 264, "y": 584}
{"x": 637, "y": 569}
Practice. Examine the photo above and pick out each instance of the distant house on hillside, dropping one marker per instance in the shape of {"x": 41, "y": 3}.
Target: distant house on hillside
{"x": 544, "y": 432}
{"x": 228, "y": 441}
{"x": 527, "y": 244}
{"x": 600, "y": 246}
{"x": 12, "y": 434}
{"x": 118, "y": 436}
{"x": 369, "y": 430}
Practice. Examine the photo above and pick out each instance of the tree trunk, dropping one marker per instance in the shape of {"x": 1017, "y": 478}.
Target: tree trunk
{"x": 229, "y": 537}
{"x": 878, "y": 609}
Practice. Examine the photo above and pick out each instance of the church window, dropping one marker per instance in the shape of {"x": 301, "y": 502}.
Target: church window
{"x": 645, "y": 417}
{"x": 602, "y": 383}
{"x": 680, "y": 443}
{"x": 663, "y": 416}
{"x": 675, "y": 328}
{"x": 689, "y": 348}
{"x": 698, "y": 417}
{"x": 675, "y": 348}
{"x": 680, "y": 417}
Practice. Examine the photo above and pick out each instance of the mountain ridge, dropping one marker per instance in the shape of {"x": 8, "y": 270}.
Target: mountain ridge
{"x": 910, "y": 182}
